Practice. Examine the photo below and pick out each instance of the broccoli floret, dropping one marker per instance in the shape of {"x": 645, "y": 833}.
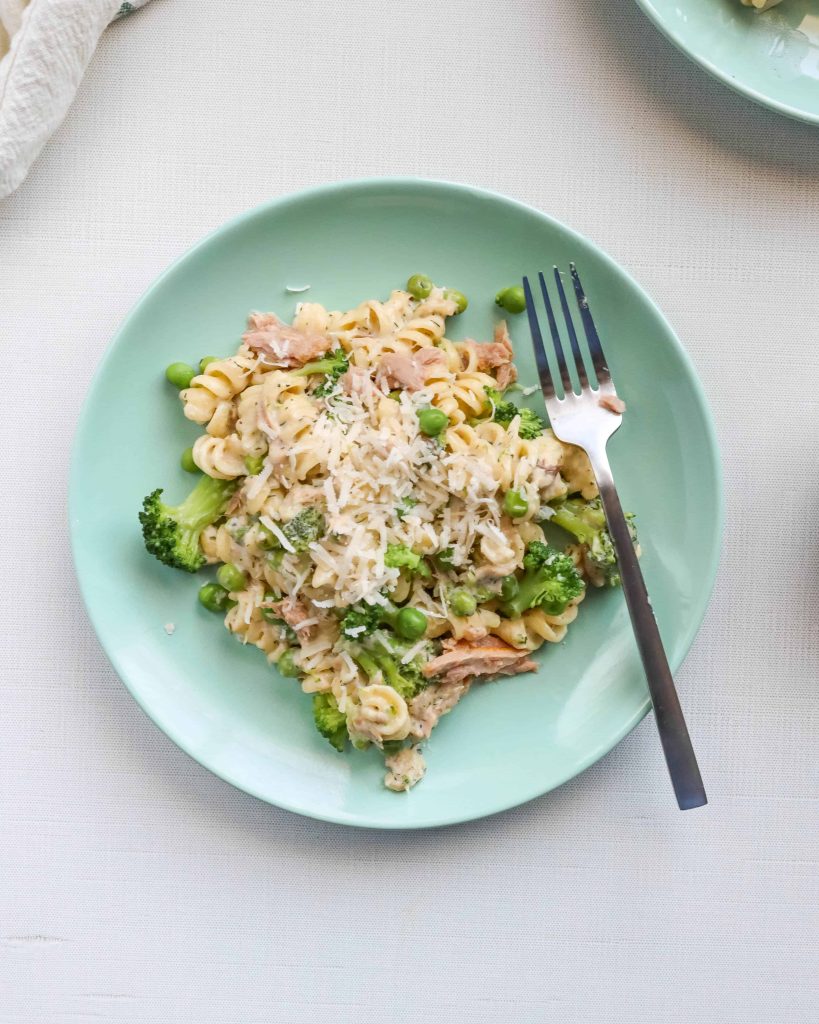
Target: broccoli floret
{"x": 305, "y": 528}
{"x": 504, "y": 413}
{"x": 332, "y": 366}
{"x": 411, "y": 680}
{"x": 586, "y": 521}
{"x": 531, "y": 425}
{"x": 407, "y": 680}
{"x": 172, "y": 532}
{"x": 549, "y": 582}
{"x": 330, "y": 722}
{"x": 399, "y": 556}
{"x": 361, "y": 620}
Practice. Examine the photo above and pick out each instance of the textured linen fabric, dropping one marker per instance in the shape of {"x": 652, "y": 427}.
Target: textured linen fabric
{"x": 134, "y": 886}
{"x": 49, "y": 44}
{"x": 11, "y": 14}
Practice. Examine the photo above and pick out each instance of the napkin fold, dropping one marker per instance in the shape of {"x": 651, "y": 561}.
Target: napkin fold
{"x": 49, "y": 44}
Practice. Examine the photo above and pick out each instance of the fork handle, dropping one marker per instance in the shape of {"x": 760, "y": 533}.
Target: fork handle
{"x": 677, "y": 747}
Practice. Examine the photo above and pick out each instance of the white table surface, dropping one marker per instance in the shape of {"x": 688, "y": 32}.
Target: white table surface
{"x": 135, "y": 886}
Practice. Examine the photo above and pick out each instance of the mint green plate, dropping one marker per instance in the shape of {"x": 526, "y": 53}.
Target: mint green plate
{"x": 771, "y": 57}
{"x": 508, "y": 741}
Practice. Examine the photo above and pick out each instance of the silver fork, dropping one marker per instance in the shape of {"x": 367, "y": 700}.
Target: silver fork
{"x": 587, "y": 418}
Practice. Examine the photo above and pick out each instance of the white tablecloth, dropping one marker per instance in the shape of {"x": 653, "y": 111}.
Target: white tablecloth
{"x": 134, "y": 886}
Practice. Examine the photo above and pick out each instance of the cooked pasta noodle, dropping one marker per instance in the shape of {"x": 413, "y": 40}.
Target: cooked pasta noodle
{"x": 219, "y": 457}
{"x": 380, "y": 714}
{"x": 220, "y": 382}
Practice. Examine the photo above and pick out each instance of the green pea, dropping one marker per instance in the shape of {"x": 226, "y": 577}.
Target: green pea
{"x": 432, "y": 421}
{"x": 187, "y": 463}
{"x": 253, "y": 464}
{"x": 231, "y": 578}
{"x": 515, "y": 505}
{"x": 410, "y": 624}
{"x": 395, "y": 395}
{"x": 509, "y": 587}
{"x": 180, "y": 375}
{"x": 205, "y": 362}
{"x": 462, "y": 603}
{"x": 512, "y": 299}
{"x": 287, "y": 665}
{"x": 215, "y": 598}
{"x": 460, "y": 300}
{"x": 419, "y": 285}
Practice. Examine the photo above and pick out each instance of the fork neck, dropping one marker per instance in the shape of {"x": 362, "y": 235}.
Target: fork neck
{"x": 599, "y": 459}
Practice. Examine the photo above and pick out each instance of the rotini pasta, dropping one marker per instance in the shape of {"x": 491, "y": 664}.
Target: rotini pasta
{"x": 219, "y": 457}
{"x": 220, "y": 383}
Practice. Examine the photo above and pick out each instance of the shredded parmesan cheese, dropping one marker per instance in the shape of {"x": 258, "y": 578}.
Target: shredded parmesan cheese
{"x": 305, "y": 624}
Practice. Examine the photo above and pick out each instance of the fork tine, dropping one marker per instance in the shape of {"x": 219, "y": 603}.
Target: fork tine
{"x": 580, "y": 366}
{"x": 595, "y": 348}
{"x": 544, "y": 373}
{"x": 561, "y": 359}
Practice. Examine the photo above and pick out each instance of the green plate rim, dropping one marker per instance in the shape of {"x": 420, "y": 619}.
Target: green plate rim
{"x": 796, "y": 113}
{"x": 357, "y": 185}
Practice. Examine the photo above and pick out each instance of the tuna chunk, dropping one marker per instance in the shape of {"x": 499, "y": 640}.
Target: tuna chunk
{"x": 356, "y": 381}
{"x": 612, "y": 403}
{"x": 497, "y": 355}
{"x": 294, "y": 614}
{"x": 283, "y": 345}
{"x": 406, "y": 768}
{"x": 409, "y": 372}
{"x": 485, "y": 657}
{"x": 507, "y": 374}
{"x": 432, "y": 703}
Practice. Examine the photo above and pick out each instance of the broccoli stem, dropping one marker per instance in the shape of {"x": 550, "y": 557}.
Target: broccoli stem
{"x": 378, "y": 659}
{"x": 319, "y": 366}
{"x": 388, "y": 669}
{"x": 204, "y": 503}
{"x": 527, "y": 596}
{"x": 366, "y": 663}
{"x": 577, "y": 518}
{"x": 388, "y": 614}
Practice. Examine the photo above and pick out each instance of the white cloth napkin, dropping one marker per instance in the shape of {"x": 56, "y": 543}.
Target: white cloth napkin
{"x": 49, "y": 44}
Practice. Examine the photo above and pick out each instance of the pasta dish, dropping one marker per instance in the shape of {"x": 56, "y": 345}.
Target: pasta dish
{"x": 376, "y": 503}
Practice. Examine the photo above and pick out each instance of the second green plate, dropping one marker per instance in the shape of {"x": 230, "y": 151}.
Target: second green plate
{"x": 771, "y": 57}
